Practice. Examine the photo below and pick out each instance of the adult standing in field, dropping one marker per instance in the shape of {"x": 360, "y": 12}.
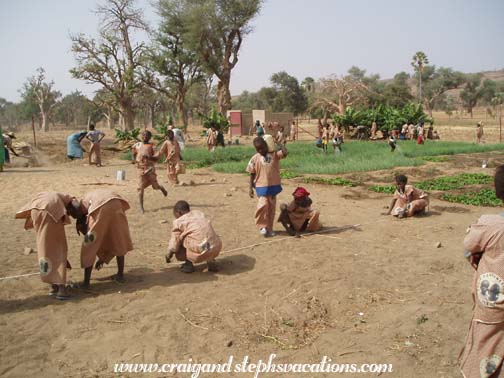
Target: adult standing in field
{"x": 171, "y": 151}
{"x": 95, "y": 137}
{"x": 47, "y": 213}
{"x": 259, "y": 129}
{"x": 404, "y": 131}
{"x": 479, "y": 132}
{"x": 483, "y": 353}
{"x": 74, "y": 146}
{"x": 101, "y": 217}
{"x": 7, "y": 144}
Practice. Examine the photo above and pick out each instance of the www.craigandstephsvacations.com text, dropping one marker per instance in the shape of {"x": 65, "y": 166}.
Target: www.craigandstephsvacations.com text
{"x": 258, "y": 368}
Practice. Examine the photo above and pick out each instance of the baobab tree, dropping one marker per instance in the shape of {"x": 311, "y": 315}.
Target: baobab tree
{"x": 113, "y": 61}
{"x": 419, "y": 61}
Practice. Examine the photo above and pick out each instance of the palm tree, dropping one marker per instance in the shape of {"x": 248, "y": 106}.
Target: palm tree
{"x": 419, "y": 61}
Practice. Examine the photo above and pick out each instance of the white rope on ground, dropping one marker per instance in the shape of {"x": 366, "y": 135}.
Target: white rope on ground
{"x": 239, "y": 248}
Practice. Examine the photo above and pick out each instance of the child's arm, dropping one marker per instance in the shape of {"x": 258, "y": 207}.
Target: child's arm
{"x": 102, "y": 135}
{"x": 175, "y": 239}
{"x": 475, "y": 244}
{"x": 391, "y": 206}
{"x": 251, "y": 187}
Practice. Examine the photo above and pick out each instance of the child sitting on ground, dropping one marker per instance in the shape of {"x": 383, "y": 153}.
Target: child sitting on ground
{"x": 193, "y": 239}
{"x": 407, "y": 200}
{"x": 298, "y": 216}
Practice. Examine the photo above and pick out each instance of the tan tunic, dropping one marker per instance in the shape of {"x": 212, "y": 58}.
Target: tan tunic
{"x": 195, "y": 233}
{"x": 411, "y": 201}
{"x": 171, "y": 150}
{"x": 46, "y": 213}
{"x": 211, "y": 138}
{"x": 108, "y": 231}
{"x": 145, "y": 167}
{"x": 266, "y": 168}
{"x": 484, "y": 348}
{"x": 299, "y": 215}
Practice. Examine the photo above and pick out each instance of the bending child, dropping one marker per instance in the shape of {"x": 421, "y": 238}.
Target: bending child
{"x": 193, "y": 239}
{"x": 101, "y": 217}
{"x": 407, "y": 200}
{"x": 264, "y": 169}
{"x": 298, "y": 216}
{"x": 483, "y": 352}
{"x": 47, "y": 213}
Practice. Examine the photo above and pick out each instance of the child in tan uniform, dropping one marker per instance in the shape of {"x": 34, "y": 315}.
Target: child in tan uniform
{"x": 483, "y": 352}
{"x": 264, "y": 169}
{"x": 193, "y": 239}
{"x": 101, "y": 217}
{"x": 298, "y": 216}
{"x": 145, "y": 158}
{"x": 171, "y": 150}
{"x": 47, "y": 214}
{"x": 407, "y": 200}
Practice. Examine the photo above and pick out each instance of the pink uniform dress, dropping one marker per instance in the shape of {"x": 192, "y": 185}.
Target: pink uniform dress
{"x": 211, "y": 140}
{"x": 267, "y": 185}
{"x": 410, "y": 202}
{"x": 146, "y": 170}
{"x": 484, "y": 348}
{"x": 47, "y": 214}
{"x": 193, "y": 238}
{"x": 171, "y": 150}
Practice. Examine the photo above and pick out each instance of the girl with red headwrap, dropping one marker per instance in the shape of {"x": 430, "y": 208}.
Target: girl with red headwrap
{"x": 298, "y": 216}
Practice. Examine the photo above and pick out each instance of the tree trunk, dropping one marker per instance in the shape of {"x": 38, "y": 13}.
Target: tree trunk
{"x": 128, "y": 115}
{"x": 223, "y": 95}
{"x": 45, "y": 125}
{"x": 181, "y": 111}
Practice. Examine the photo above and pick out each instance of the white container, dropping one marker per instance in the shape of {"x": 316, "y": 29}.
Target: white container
{"x": 270, "y": 142}
{"x": 121, "y": 175}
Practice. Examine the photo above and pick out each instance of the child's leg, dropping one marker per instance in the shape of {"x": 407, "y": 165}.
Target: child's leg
{"x": 87, "y": 276}
{"x": 120, "y": 268}
{"x": 313, "y": 221}
{"x": 271, "y": 212}
{"x": 285, "y": 220}
{"x": 261, "y": 213}
{"x": 141, "y": 199}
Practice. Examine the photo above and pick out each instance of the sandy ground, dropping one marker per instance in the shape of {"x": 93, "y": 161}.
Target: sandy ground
{"x": 380, "y": 292}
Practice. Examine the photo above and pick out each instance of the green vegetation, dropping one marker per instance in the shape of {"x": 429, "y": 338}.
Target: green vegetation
{"x": 389, "y": 189}
{"x": 483, "y": 197}
{"x": 442, "y": 183}
{"x": 435, "y": 159}
{"x": 455, "y": 182}
{"x": 285, "y": 174}
{"x": 329, "y": 181}
{"x": 305, "y": 158}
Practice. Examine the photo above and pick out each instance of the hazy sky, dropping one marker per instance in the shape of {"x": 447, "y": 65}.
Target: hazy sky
{"x": 303, "y": 37}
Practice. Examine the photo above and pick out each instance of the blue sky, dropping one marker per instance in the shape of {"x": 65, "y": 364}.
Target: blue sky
{"x": 303, "y": 37}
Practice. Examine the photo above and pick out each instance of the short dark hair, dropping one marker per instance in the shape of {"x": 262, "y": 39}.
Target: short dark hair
{"x": 401, "y": 179}
{"x": 147, "y": 132}
{"x": 259, "y": 141}
{"x": 170, "y": 134}
{"x": 499, "y": 182}
{"x": 91, "y": 126}
{"x": 181, "y": 207}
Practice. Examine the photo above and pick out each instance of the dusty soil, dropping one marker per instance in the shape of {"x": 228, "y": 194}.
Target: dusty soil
{"x": 373, "y": 289}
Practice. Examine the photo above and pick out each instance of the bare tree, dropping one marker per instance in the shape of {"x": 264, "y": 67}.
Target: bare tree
{"x": 37, "y": 90}
{"x": 114, "y": 60}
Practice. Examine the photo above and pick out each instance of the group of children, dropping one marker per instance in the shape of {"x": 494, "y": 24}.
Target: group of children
{"x": 101, "y": 217}
{"x": 329, "y": 133}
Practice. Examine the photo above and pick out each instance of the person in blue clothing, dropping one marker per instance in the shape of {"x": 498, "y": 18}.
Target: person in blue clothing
{"x": 74, "y": 147}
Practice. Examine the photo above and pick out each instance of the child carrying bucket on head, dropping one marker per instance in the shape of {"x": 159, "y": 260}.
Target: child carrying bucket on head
{"x": 264, "y": 169}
